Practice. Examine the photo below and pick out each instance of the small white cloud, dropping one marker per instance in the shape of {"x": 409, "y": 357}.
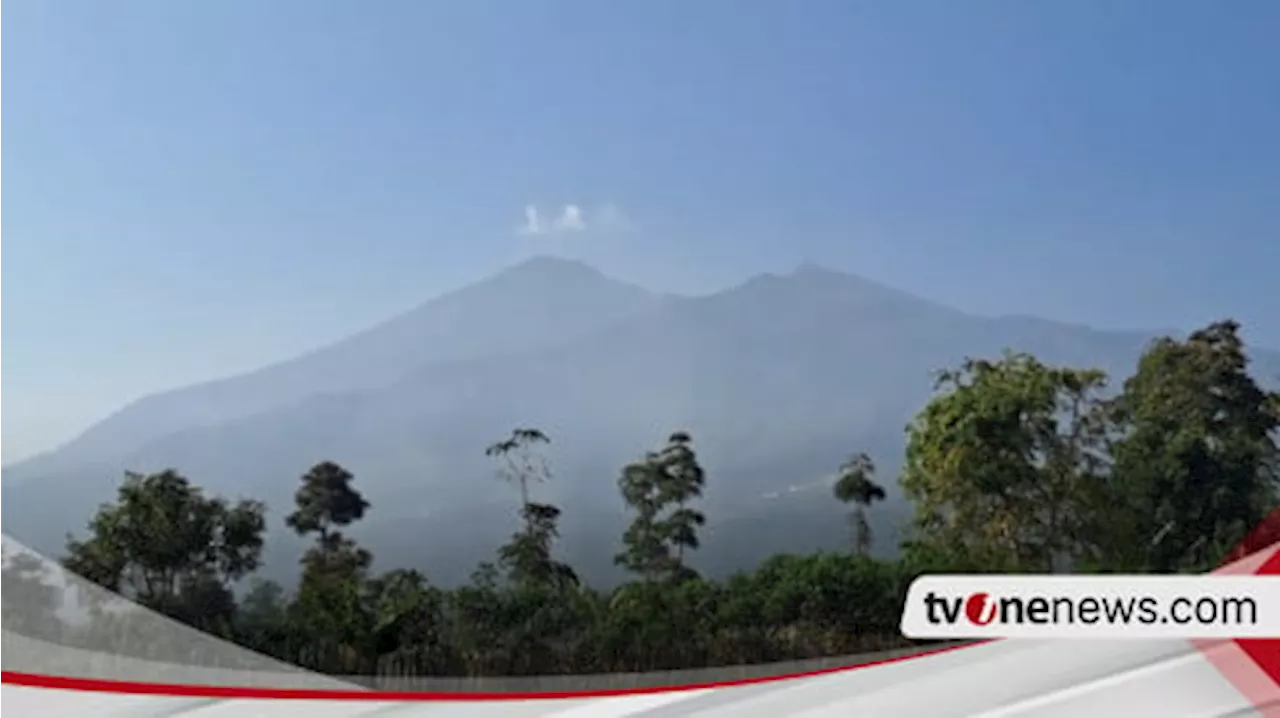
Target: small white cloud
{"x": 607, "y": 218}
{"x": 532, "y": 225}
{"x": 571, "y": 219}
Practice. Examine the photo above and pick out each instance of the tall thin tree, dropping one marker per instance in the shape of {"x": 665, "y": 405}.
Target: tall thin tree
{"x": 527, "y": 556}
{"x": 856, "y": 486}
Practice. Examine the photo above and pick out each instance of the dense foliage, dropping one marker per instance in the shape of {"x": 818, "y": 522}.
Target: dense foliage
{"x": 1013, "y": 466}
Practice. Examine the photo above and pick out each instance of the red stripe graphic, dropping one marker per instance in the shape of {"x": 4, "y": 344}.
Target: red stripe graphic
{"x": 1252, "y": 665}
{"x": 1266, "y": 535}
{"x": 1266, "y": 652}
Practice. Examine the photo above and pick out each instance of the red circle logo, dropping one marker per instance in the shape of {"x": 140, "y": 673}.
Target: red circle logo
{"x": 980, "y": 609}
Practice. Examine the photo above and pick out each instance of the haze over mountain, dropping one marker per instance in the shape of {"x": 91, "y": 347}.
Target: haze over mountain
{"x": 778, "y": 379}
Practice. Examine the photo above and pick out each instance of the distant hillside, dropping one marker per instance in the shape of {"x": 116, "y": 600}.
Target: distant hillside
{"x": 778, "y": 380}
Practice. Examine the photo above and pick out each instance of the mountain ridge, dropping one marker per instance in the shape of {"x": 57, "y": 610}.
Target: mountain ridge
{"x": 778, "y": 378}
{"x": 562, "y": 269}
{"x": 547, "y": 267}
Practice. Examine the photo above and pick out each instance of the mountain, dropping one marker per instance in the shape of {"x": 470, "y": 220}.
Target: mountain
{"x": 778, "y": 379}
{"x": 541, "y": 301}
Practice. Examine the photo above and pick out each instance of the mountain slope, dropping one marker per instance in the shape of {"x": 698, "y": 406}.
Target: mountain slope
{"x": 539, "y": 302}
{"x": 778, "y": 379}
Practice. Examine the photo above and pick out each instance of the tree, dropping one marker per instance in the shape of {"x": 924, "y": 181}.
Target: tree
{"x": 658, "y": 490}
{"x": 521, "y": 464}
{"x": 263, "y": 607}
{"x": 408, "y": 618}
{"x": 1196, "y": 458}
{"x": 331, "y": 601}
{"x": 326, "y": 501}
{"x": 527, "y": 556}
{"x": 261, "y": 618}
{"x": 171, "y": 548}
{"x": 332, "y": 609}
{"x": 855, "y": 485}
{"x": 681, "y": 481}
{"x": 645, "y": 551}
{"x": 1000, "y": 462}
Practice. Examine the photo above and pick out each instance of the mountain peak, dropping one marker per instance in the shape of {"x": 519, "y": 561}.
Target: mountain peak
{"x": 547, "y": 274}
{"x": 551, "y": 264}
{"x": 815, "y": 284}
{"x": 812, "y": 270}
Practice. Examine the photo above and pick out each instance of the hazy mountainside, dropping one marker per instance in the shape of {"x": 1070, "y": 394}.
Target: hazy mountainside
{"x": 541, "y": 301}
{"x": 778, "y": 380}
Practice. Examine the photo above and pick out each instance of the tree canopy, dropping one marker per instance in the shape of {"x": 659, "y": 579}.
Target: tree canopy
{"x": 167, "y": 545}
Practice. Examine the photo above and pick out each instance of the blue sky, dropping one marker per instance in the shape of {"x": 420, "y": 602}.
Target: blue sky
{"x": 201, "y": 188}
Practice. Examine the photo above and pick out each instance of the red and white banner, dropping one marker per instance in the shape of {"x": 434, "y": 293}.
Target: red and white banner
{"x": 1115, "y": 674}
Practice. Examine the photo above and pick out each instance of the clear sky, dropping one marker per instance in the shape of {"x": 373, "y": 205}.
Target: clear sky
{"x": 200, "y": 188}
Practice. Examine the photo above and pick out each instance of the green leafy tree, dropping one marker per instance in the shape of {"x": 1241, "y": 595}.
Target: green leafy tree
{"x": 326, "y": 501}
{"x": 409, "y": 621}
{"x": 1000, "y": 463}
{"x": 332, "y": 602}
{"x": 645, "y": 551}
{"x": 1196, "y": 463}
{"x": 527, "y": 557}
{"x": 522, "y": 465}
{"x": 263, "y": 605}
{"x": 261, "y": 619}
{"x": 856, "y": 486}
{"x": 658, "y": 490}
{"x": 171, "y": 548}
{"x": 680, "y": 481}
{"x": 333, "y": 607}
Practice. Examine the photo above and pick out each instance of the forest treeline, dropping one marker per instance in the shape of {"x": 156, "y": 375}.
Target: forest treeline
{"x": 1013, "y": 466}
